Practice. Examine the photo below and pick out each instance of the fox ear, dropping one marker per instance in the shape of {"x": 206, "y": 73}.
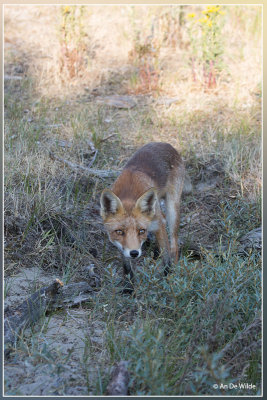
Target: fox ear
{"x": 110, "y": 203}
{"x": 147, "y": 202}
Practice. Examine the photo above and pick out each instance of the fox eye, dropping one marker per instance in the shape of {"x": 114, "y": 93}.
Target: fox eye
{"x": 141, "y": 231}
{"x": 119, "y": 232}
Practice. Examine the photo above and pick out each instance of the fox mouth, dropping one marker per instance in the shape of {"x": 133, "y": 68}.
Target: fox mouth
{"x": 128, "y": 253}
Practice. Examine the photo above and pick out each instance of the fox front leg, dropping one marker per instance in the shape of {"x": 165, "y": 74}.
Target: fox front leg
{"x": 128, "y": 277}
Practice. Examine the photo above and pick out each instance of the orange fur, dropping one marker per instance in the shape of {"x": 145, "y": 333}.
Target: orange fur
{"x": 131, "y": 208}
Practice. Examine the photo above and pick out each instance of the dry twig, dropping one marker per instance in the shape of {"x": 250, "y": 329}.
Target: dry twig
{"x": 96, "y": 172}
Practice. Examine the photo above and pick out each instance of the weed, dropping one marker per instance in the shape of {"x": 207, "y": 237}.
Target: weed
{"x": 185, "y": 323}
{"x": 206, "y": 45}
{"x": 145, "y": 57}
{"x": 170, "y": 26}
{"x": 72, "y": 39}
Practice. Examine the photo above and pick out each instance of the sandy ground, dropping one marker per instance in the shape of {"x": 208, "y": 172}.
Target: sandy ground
{"x": 65, "y": 333}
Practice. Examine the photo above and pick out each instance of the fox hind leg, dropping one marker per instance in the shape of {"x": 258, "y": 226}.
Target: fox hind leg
{"x": 173, "y": 200}
{"x": 163, "y": 242}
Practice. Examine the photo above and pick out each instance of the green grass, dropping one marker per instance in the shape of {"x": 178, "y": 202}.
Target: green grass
{"x": 183, "y": 333}
{"x": 174, "y": 331}
{"x": 176, "y": 342}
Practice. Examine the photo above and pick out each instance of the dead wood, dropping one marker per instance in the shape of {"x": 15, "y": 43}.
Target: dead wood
{"x": 28, "y": 312}
{"x": 118, "y": 385}
{"x": 72, "y": 295}
{"x": 100, "y": 173}
{"x": 45, "y": 299}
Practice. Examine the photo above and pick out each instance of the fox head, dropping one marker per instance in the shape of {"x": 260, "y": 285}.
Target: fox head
{"x": 128, "y": 230}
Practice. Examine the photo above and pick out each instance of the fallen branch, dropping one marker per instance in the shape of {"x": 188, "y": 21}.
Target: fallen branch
{"x": 118, "y": 386}
{"x": 45, "y": 299}
{"x": 72, "y": 295}
{"x": 28, "y": 312}
{"x": 96, "y": 172}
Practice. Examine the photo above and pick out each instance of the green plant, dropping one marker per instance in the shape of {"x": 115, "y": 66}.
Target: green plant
{"x": 206, "y": 41}
{"x": 193, "y": 329}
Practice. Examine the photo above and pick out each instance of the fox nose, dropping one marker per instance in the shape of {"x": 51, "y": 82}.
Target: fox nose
{"x": 134, "y": 253}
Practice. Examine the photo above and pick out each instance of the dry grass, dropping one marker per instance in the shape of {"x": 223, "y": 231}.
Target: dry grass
{"x": 52, "y": 218}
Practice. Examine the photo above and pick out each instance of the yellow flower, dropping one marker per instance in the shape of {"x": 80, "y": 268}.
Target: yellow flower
{"x": 203, "y": 20}
{"x": 211, "y": 9}
{"x": 222, "y": 12}
{"x": 214, "y": 8}
{"x": 191, "y": 15}
{"x": 66, "y": 10}
{"x": 209, "y": 23}
{"x": 205, "y": 12}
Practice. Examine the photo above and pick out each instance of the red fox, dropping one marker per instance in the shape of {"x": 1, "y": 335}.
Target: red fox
{"x": 131, "y": 209}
